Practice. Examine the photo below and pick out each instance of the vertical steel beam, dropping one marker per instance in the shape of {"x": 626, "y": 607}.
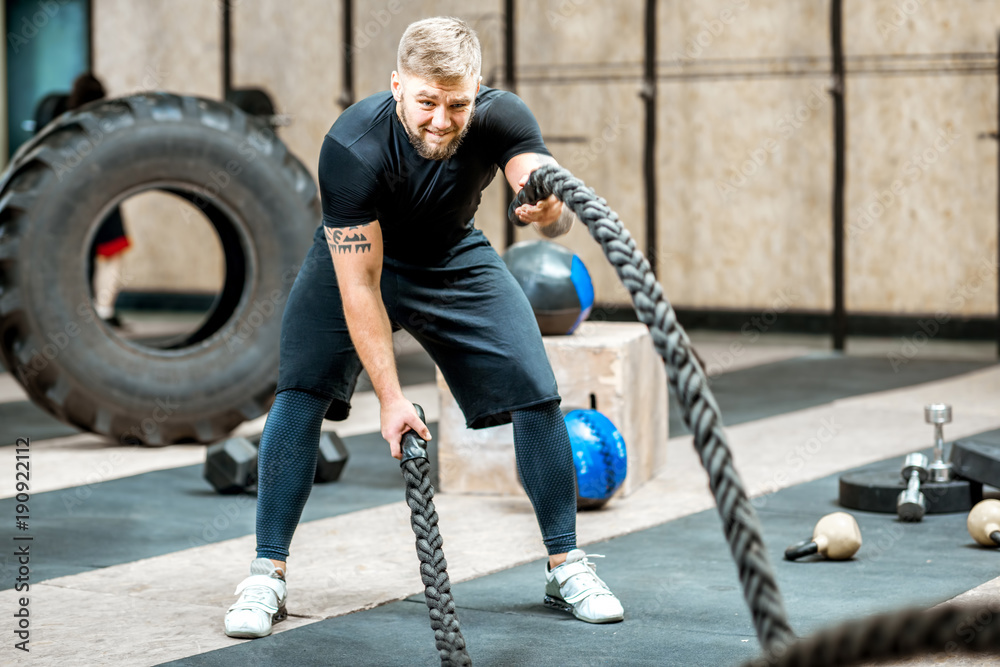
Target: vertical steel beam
{"x": 90, "y": 35}
{"x": 839, "y": 158}
{"x": 227, "y": 48}
{"x": 346, "y": 98}
{"x": 649, "y": 149}
{"x": 510, "y": 82}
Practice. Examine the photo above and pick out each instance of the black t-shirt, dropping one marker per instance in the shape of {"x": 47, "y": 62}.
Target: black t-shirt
{"x": 368, "y": 170}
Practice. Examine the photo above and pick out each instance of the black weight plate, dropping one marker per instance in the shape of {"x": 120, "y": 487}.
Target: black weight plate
{"x": 976, "y": 460}
{"x": 878, "y": 490}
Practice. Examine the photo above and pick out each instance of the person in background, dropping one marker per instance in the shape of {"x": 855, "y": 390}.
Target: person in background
{"x": 111, "y": 241}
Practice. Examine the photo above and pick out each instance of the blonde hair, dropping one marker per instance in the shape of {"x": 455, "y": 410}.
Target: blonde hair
{"x": 443, "y": 49}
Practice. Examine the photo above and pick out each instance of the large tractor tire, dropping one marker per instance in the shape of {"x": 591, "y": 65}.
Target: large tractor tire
{"x": 263, "y": 205}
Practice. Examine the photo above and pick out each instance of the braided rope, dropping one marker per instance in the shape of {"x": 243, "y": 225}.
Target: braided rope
{"x": 701, "y": 412}
{"x": 948, "y": 629}
{"x": 433, "y": 567}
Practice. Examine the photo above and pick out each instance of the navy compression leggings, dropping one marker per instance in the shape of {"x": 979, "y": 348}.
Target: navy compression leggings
{"x": 287, "y": 465}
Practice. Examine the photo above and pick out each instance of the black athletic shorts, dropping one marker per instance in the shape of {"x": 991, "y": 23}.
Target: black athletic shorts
{"x": 465, "y": 309}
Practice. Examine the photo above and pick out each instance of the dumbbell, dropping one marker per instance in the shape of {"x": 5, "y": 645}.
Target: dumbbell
{"x": 984, "y": 523}
{"x": 835, "y": 536}
{"x": 938, "y": 414}
{"x": 911, "y": 504}
{"x": 231, "y": 465}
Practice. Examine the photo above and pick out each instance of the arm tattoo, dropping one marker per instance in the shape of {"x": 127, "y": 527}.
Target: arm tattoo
{"x": 345, "y": 242}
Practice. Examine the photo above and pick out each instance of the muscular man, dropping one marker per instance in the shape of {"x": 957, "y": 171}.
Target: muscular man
{"x": 401, "y": 175}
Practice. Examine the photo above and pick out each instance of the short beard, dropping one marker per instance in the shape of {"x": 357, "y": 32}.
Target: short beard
{"x": 424, "y": 149}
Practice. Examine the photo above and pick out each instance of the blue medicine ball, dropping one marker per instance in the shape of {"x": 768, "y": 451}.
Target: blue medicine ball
{"x": 556, "y": 282}
{"x": 599, "y": 455}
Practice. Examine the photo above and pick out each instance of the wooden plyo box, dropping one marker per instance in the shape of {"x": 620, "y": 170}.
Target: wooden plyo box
{"x": 614, "y": 362}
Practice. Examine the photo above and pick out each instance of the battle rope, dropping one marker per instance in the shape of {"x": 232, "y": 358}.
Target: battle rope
{"x": 948, "y": 629}
{"x": 898, "y": 634}
{"x": 433, "y": 567}
{"x": 701, "y": 413}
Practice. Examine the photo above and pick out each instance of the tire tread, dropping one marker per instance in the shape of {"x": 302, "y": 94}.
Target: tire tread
{"x": 33, "y": 172}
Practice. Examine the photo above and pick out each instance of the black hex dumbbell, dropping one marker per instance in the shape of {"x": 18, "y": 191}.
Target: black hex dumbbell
{"x": 332, "y": 457}
{"x": 231, "y": 465}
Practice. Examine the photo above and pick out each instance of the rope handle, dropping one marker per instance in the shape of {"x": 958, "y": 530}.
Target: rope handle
{"x": 413, "y": 446}
{"x": 526, "y": 195}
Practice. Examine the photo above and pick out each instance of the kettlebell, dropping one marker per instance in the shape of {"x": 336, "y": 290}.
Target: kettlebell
{"x": 836, "y": 536}
{"x": 984, "y": 522}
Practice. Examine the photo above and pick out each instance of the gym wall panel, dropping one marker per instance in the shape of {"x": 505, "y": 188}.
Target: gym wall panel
{"x": 295, "y": 53}
{"x": 577, "y": 73}
{"x": 692, "y": 33}
{"x": 744, "y": 193}
{"x": 175, "y": 46}
{"x": 930, "y": 245}
{"x": 744, "y": 155}
{"x": 917, "y": 27}
{"x": 921, "y": 215}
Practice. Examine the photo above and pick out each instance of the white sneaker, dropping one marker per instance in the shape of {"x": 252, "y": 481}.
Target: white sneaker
{"x": 575, "y": 587}
{"x": 262, "y": 602}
